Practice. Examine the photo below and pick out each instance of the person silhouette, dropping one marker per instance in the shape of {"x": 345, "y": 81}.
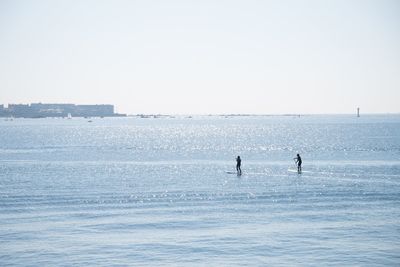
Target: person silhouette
{"x": 238, "y": 164}
{"x": 298, "y": 161}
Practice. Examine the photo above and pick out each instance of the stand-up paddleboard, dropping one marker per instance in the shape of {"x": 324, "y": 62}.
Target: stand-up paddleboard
{"x": 229, "y": 172}
{"x": 294, "y": 171}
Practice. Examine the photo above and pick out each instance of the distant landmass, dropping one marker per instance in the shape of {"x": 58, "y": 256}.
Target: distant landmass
{"x": 40, "y": 110}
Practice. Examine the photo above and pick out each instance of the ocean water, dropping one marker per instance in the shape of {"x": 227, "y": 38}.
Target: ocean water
{"x": 156, "y": 192}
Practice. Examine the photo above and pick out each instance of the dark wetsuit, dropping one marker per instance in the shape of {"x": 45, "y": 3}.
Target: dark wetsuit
{"x": 238, "y": 163}
{"x": 299, "y": 161}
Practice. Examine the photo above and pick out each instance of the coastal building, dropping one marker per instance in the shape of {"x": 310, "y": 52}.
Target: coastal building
{"x": 3, "y": 111}
{"x": 40, "y": 110}
{"x": 93, "y": 110}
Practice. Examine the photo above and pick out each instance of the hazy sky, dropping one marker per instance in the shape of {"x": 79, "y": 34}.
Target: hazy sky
{"x": 203, "y": 56}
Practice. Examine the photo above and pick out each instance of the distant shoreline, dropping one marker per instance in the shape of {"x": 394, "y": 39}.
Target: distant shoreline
{"x": 189, "y": 116}
{"x": 256, "y": 115}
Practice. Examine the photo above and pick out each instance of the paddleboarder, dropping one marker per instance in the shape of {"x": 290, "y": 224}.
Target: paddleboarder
{"x": 238, "y": 164}
{"x": 298, "y": 162}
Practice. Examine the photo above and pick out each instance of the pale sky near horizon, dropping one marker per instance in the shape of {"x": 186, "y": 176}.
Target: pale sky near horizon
{"x": 203, "y": 56}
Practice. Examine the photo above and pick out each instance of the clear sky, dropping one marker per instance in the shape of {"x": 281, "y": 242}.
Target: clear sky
{"x": 201, "y": 57}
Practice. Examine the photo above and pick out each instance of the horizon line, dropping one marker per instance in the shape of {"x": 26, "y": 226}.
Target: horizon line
{"x": 208, "y": 114}
{"x": 258, "y": 114}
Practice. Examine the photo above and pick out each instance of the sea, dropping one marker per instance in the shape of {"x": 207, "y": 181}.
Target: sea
{"x": 163, "y": 191}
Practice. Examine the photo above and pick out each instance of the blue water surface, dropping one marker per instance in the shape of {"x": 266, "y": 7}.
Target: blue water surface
{"x": 159, "y": 192}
